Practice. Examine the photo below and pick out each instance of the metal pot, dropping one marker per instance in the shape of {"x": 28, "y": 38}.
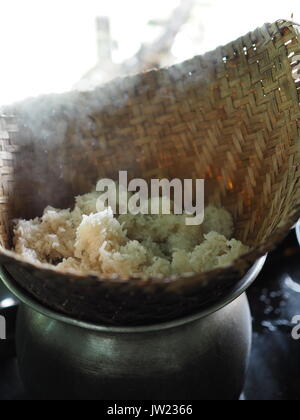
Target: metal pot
{"x": 203, "y": 357}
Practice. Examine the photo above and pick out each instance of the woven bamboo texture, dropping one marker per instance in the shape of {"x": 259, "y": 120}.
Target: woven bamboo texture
{"x": 230, "y": 116}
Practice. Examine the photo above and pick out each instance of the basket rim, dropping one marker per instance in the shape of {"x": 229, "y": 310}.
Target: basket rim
{"x": 27, "y": 299}
{"x": 173, "y": 283}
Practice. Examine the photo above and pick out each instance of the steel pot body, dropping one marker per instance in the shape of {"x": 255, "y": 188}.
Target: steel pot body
{"x": 201, "y": 359}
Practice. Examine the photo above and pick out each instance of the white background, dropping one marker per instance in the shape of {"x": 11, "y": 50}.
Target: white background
{"x": 47, "y": 45}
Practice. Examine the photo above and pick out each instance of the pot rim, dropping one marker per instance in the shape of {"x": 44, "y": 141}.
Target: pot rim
{"x": 33, "y": 303}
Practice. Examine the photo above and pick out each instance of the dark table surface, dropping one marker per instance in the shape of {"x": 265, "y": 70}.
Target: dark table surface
{"x": 274, "y": 372}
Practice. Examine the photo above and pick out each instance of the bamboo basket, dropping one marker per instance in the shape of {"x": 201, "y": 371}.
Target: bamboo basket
{"x": 230, "y": 116}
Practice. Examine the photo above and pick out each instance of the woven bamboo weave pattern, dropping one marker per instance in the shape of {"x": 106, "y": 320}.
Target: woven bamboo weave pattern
{"x": 230, "y": 116}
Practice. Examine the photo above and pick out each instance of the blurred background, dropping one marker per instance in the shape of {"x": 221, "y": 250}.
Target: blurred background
{"x": 56, "y": 45}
